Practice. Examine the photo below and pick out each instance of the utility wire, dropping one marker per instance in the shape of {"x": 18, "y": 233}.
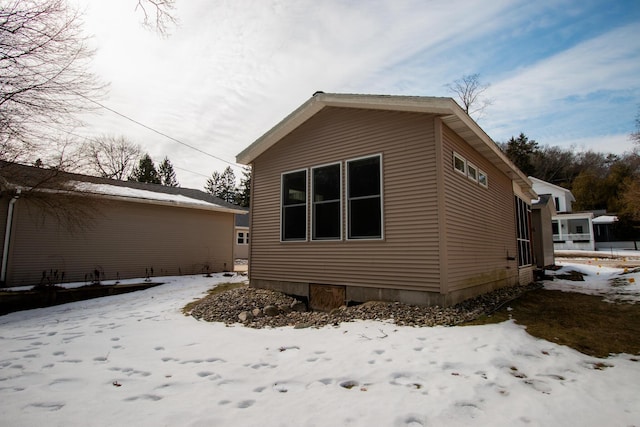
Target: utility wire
{"x": 156, "y": 131}
{"x": 95, "y": 140}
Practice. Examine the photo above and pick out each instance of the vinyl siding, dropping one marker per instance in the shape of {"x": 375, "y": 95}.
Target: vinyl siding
{"x": 123, "y": 240}
{"x": 407, "y": 257}
{"x": 480, "y": 222}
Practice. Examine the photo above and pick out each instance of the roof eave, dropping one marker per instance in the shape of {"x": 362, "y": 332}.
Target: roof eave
{"x": 451, "y": 113}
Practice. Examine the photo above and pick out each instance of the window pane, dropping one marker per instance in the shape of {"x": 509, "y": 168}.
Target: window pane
{"x": 326, "y": 202}
{"x": 326, "y": 183}
{"x": 364, "y": 177}
{"x": 458, "y": 163}
{"x": 294, "y": 188}
{"x": 365, "y": 219}
{"x": 326, "y": 220}
{"x": 295, "y": 224}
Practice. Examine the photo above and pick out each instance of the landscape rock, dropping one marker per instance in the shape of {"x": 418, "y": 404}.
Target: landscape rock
{"x": 298, "y": 306}
{"x": 271, "y": 310}
{"x": 245, "y": 316}
{"x": 257, "y": 312}
{"x": 227, "y": 306}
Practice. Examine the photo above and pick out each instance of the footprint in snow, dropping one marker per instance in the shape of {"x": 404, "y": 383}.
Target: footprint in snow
{"x": 47, "y": 406}
{"x": 245, "y": 404}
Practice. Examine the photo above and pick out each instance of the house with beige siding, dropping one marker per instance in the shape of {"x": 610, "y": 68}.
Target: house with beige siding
{"x": 397, "y": 198}
{"x": 59, "y": 227}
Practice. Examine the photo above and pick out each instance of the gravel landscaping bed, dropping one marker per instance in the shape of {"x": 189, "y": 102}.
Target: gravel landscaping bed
{"x": 259, "y": 308}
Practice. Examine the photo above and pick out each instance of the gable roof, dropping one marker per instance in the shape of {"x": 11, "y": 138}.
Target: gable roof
{"x": 540, "y": 182}
{"x": 446, "y": 108}
{"x": 14, "y": 176}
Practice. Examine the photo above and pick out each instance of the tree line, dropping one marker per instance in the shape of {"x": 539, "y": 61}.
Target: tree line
{"x": 599, "y": 181}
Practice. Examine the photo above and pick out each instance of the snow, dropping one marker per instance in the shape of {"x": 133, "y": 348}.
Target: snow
{"x": 116, "y": 190}
{"x": 614, "y": 284}
{"x": 135, "y": 359}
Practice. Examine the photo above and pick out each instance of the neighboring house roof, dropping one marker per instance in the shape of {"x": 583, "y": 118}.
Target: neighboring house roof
{"x": 544, "y": 200}
{"x": 538, "y": 182}
{"x": 242, "y": 220}
{"x": 14, "y": 176}
{"x": 448, "y": 110}
{"x": 605, "y": 219}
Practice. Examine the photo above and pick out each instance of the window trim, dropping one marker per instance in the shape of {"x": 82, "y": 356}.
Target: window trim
{"x": 347, "y": 200}
{"x": 313, "y": 204}
{"x": 470, "y": 167}
{"x": 245, "y": 237}
{"x": 462, "y": 171}
{"x": 306, "y": 204}
{"x": 482, "y": 173}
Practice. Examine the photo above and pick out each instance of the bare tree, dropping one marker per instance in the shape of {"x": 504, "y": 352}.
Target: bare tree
{"x": 157, "y": 15}
{"x": 470, "y": 92}
{"x": 111, "y": 156}
{"x": 44, "y": 74}
{"x": 635, "y": 136}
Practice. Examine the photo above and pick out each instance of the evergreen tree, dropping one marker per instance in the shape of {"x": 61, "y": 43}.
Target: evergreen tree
{"x": 145, "y": 171}
{"x": 243, "y": 196}
{"x": 521, "y": 152}
{"x": 222, "y": 185}
{"x": 167, "y": 174}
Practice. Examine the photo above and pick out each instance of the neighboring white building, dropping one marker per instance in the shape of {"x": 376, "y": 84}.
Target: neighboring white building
{"x": 562, "y": 197}
{"x": 570, "y": 230}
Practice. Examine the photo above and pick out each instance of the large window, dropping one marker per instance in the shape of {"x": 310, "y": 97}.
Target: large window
{"x": 523, "y": 218}
{"x": 326, "y": 183}
{"x": 294, "y": 206}
{"x": 364, "y": 196}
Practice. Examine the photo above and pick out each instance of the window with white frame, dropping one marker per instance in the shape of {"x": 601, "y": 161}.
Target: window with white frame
{"x": 483, "y": 179}
{"x": 459, "y": 163}
{"x": 243, "y": 238}
{"x": 294, "y": 206}
{"x": 523, "y": 221}
{"x": 364, "y": 198}
{"x": 326, "y": 190}
{"x": 472, "y": 172}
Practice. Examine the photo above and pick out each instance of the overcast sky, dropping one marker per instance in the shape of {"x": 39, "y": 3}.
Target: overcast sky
{"x": 565, "y": 73}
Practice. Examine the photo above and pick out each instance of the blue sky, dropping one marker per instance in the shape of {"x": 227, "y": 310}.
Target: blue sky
{"x": 565, "y": 73}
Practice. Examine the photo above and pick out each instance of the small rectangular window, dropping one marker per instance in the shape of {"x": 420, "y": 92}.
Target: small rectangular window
{"x": 240, "y": 238}
{"x": 483, "y": 179}
{"x": 472, "y": 172}
{"x": 459, "y": 163}
{"x": 364, "y": 195}
{"x": 327, "y": 219}
{"x": 294, "y": 206}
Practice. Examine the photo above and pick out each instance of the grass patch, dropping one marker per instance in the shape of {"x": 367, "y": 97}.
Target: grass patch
{"x": 218, "y": 289}
{"x": 583, "y": 322}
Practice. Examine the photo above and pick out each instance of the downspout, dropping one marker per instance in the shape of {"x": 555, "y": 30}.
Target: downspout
{"x": 7, "y": 236}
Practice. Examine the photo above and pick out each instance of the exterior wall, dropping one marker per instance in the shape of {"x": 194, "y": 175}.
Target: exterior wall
{"x": 408, "y": 256}
{"x": 563, "y": 195}
{"x": 123, "y": 240}
{"x": 543, "y": 236}
{"x": 481, "y": 249}
{"x": 575, "y": 232}
{"x": 241, "y": 250}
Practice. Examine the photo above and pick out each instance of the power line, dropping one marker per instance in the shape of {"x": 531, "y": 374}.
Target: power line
{"x": 156, "y": 131}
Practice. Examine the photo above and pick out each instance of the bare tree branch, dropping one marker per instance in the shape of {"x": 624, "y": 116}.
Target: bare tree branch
{"x": 112, "y": 157}
{"x": 158, "y": 15}
{"x": 469, "y": 91}
{"x": 44, "y": 75}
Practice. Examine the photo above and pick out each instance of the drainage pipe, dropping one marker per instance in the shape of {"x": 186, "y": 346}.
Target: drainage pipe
{"x": 7, "y": 236}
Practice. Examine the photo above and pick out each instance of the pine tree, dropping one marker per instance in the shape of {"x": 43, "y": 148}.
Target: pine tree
{"x": 145, "y": 171}
{"x": 521, "y": 151}
{"x": 222, "y": 185}
{"x": 167, "y": 174}
{"x": 243, "y": 196}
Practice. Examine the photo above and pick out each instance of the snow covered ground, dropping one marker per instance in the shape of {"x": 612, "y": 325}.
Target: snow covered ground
{"x": 136, "y": 360}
